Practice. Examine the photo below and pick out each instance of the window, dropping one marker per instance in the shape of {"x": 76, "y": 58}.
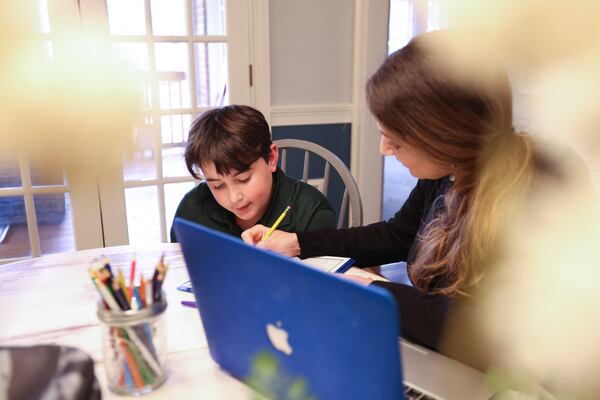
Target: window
{"x": 188, "y": 55}
{"x": 186, "y": 51}
{"x": 407, "y": 19}
{"x": 35, "y": 197}
{"x": 183, "y": 50}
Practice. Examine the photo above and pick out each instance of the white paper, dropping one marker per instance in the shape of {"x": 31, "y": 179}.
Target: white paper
{"x": 325, "y": 263}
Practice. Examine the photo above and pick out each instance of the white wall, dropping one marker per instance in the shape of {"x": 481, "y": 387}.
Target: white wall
{"x": 321, "y": 53}
{"x": 311, "y": 51}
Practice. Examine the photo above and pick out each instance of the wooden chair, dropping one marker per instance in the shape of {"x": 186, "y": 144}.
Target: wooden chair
{"x": 351, "y": 196}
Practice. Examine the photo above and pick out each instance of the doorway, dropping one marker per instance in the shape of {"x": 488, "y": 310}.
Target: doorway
{"x": 407, "y": 19}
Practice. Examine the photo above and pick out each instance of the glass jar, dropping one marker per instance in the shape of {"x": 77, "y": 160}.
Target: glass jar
{"x": 135, "y": 348}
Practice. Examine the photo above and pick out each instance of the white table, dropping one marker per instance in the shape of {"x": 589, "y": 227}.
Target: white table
{"x": 51, "y": 299}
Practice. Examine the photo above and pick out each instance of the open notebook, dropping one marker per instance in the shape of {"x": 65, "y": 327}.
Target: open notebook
{"x": 324, "y": 263}
{"x": 328, "y": 263}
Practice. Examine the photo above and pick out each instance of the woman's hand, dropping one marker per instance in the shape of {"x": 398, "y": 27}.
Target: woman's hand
{"x": 281, "y": 242}
{"x": 359, "y": 279}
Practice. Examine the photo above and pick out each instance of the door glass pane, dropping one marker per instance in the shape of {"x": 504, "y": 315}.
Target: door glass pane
{"x": 135, "y": 55}
{"x": 45, "y": 173}
{"x": 142, "y": 214}
{"x": 401, "y": 24}
{"x": 174, "y": 130}
{"x": 171, "y": 98}
{"x": 172, "y": 66}
{"x": 173, "y": 194}
{"x": 10, "y": 175}
{"x": 173, "y": 162}
{"x": 436, "y": 16}
{"x": 14, "y": 237}
{"x": 168, "y": 17}
{"x": 404, "y": 16}
{"x": 208, "y": 17}
{"x": 44, "y": 20}
{"x": 126, "y": 17}
{"x": 397, "y": 185}
{"x": 211, "y": 74}
{"x": 141, "y": 164}
{"x": 55, "y": 225}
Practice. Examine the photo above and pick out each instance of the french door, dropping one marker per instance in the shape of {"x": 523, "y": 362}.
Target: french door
{"x": 196, "y": 55}
{"x": 190, "y": 55}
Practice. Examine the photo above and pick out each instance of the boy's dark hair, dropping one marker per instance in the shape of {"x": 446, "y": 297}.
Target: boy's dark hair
{"x": 232, "y": 137}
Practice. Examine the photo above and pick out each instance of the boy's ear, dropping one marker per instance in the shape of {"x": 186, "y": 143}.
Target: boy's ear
{"x": 273, "y": 157}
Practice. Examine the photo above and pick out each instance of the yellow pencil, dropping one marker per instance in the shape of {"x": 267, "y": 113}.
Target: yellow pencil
{"x": 276, "y": 224}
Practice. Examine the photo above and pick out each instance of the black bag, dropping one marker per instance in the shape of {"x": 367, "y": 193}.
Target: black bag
{"x": 47, "y": 372}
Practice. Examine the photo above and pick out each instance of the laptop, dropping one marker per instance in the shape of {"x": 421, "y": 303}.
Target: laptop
{"x": 292, "y": 331}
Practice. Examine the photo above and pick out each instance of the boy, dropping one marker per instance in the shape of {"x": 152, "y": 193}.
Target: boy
{"x": 242, "y": 184}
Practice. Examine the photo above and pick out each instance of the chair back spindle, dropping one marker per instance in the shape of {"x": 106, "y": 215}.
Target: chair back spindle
{"x": 351, "y": 198}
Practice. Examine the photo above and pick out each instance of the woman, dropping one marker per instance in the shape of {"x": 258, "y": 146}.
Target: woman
{"x": 450, "y": 123}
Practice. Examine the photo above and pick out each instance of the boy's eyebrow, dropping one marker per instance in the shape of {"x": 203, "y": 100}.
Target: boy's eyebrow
{"x": 218, "y": 179}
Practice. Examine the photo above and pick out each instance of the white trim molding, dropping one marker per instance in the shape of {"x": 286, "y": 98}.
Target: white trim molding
{"x": 260, "y": 56}
{"x": 370, "y": 49}
{"x": 312, "y": 114}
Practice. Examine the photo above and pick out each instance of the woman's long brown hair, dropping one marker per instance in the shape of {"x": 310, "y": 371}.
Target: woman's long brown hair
{"x": 455, "y": 107}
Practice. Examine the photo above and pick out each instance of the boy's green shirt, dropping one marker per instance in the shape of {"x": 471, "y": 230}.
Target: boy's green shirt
{"x": 310, "y": 208}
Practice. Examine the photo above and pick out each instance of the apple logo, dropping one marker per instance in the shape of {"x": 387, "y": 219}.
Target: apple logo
{"x": 279, "y": 338}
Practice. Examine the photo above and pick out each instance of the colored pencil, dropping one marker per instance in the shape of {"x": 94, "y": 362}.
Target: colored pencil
{"x": 140, "y": 365}
{"x": 107, "y": 265}
{"x": 160, "y": 278}
{"x": 131, "y": 277}
{"x": 143, "y": 290}
{"x": 149, "y": 295}
{"x": 106, "y": 295}
{"x": 136, "y": 295}
{"x": 186, "y": 303}
{"x": 120, "y": 296}
{"x": 137, "y": 379}
{"x": 126, "y": 375}
{"x": 123, "y": 285}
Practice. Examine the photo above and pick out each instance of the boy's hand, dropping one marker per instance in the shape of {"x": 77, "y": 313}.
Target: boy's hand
{"x": 281, "y": 242}
{"x": 255, "y": 234}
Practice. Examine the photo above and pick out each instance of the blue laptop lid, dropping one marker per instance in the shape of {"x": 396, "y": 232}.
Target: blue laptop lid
{"x": 335, "y": 338}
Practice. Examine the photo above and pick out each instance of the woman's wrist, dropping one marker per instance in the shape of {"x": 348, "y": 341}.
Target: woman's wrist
{"x": 294, "y": 245}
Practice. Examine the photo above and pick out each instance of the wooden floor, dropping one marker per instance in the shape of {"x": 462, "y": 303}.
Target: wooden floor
{"x": 56, "y": 238}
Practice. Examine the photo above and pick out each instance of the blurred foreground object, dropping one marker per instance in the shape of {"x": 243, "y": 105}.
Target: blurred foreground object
{"x": 539, "y": 321}
{"x": 50, "y": 372}
{"x": 541, "y": 311}
{"x": 63, "y": 99}
{"x": 554, "y": 49}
